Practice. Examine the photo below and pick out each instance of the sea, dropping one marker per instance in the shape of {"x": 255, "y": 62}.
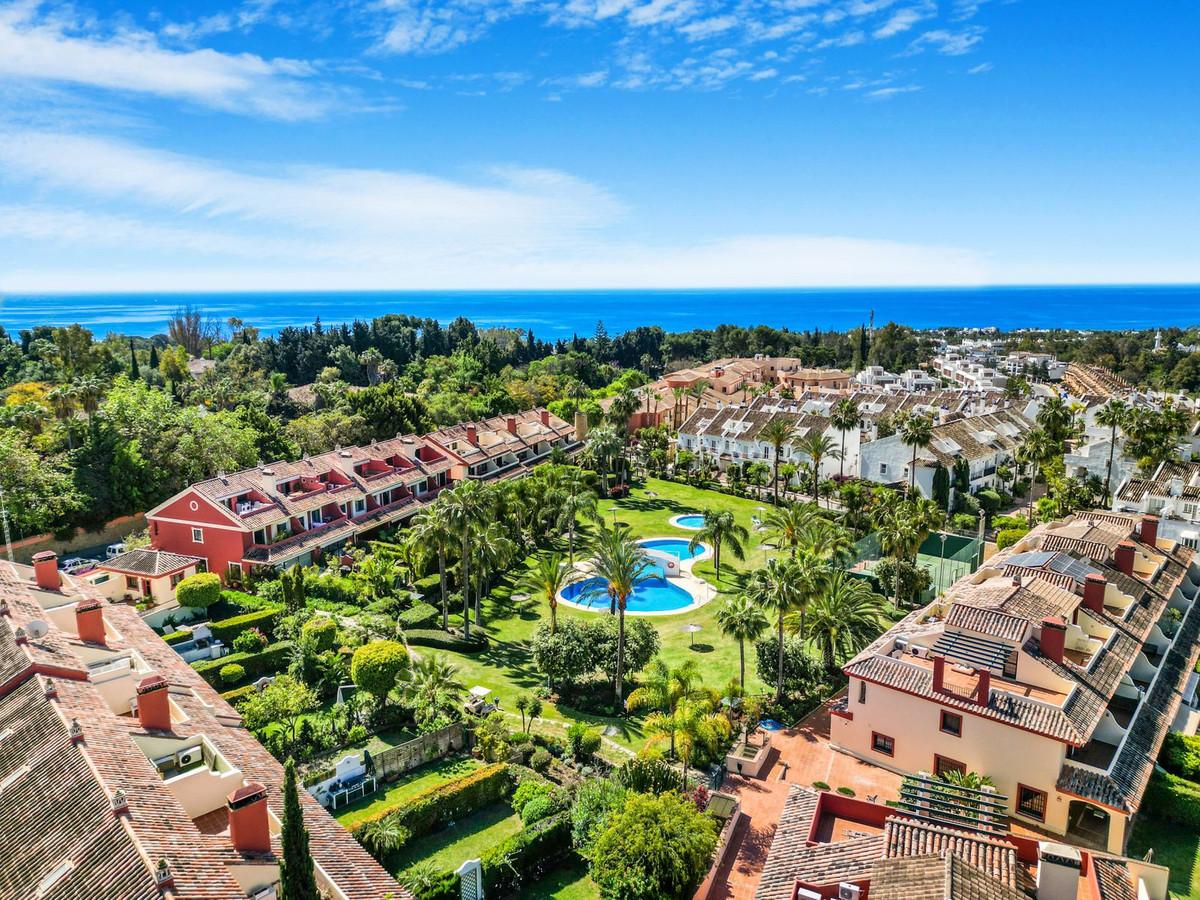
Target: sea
{"x": 561, "y": 314}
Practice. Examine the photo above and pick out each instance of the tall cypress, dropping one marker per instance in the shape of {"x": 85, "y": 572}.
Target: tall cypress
{"x": 153, "y": 357}
{"x": 296, "y": 878}
{"x": 134, "y": 374}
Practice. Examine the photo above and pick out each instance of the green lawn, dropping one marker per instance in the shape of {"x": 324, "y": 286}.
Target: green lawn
{"x": 466, "y": 839}
{"x": 569, "y": 883}
{"x": 506, "y": 666}
{"x": 1175, "y": 847}
{"x": 410, "y": 785}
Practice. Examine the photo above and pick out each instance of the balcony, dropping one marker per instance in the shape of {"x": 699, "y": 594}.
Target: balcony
{"x": 319, "y": 535}
{"x": 1095, "y": 753}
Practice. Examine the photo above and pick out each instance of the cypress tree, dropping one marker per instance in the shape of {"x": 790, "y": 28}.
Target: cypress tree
{"x": 153, "y": 357}
{"x": 296, "y": 878}
{"x": 134, "y": 375}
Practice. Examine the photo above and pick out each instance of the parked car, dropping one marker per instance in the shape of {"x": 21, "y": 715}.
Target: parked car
{"x": 114, "y": 550}
{"x": 77, "y": 564}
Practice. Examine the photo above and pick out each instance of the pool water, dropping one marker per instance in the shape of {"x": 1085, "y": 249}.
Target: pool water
{"x": 652, "y": 595}
{"x": 676, "y": 547}
{"x": 695, "y": 520}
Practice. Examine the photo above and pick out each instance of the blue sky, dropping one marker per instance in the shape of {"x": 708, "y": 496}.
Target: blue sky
{"x": 596, "y": 143}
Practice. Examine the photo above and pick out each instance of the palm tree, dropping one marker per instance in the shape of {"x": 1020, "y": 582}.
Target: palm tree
{"x": 431, "y": 689}
{"x": 778, "y": 432}
{"x": 1054, "y": 418}
{"x": 664, "y": 688}
{"x": 549, "y": 575}
{"x": 575, "y": 501}
{"x": 844, "y": 417}
{"x": 494, "y": 550}
{"x": 786, "y": 525}
{"x": 721, "y": 529}
{"x": 385, "y": 836}
{"x": 463, "y": 505}
{"x": 692, "y": 725}
{"x": 432, "y": 526}
{"x": 697, "y": 389}
{"x": 89, "y": 389}
{"x": 62, "y": 401}
{"x": 621, "y": 565}
{"x": 773, "y": 589}
{"x": 845, "y": 617}
{"x": 816, "y": 447}
{"x": 1112, "y": 416}
{"x": 603, "y": 448}
{"x": 1036, "y": 447}
{"x": 677, "y": 392}
{"x": 739, "y": 618}
{"x": 916, "y": 431}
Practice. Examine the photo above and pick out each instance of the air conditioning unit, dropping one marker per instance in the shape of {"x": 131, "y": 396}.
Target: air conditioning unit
{"x": 189, "y": 757}
{"x": 848, "y": 891}
{"x": 267, "y": 893}
{"x": 165, "y": 763}
{"x": 919, "y": 651}
{"x": 805, "y": 894}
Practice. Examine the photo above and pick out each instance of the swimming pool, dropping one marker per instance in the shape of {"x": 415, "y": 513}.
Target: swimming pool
{"x": 692, "y": 521}
{"x": 653, "y": 595}
{"x": 676, "y": 547}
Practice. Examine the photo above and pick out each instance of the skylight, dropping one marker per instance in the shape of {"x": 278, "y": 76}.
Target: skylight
{"x": 54, "y": 876}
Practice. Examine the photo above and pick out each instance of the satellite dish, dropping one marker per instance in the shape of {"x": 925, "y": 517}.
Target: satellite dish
{"x": 37, "y": 629}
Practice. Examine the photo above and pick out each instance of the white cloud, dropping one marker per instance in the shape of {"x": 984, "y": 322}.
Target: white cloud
{"x": 37, "y": 47}
{"x": 886, "y": 93}
{"x": 105, "y": 215}
{"x": 949, "y": 43}
{"x": 980, "y": 69}
{"x": 904, "y": 19}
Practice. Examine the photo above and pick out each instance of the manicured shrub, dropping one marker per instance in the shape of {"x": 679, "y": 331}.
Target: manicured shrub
{"x": 1173, "y": 799}
{"x": 540, "y": 760}
{"x": 582, "y": 742}
{"x": 537, "y": 809}
{"x": 376, "y": 666}
{"x": 647, "y": 776}
{"x": 238, "y": 694}
{"x": 846, "y": 791}
{"x": 177, "y": 637}
{"x": 266, "y": 662}
{"x": 441, "y": 640}
{"x": 227, "y": 630}
{"x": 1181, "y": 756}
{"x": 250, "y": 641}
{"x": 1009, "y": 536}
{"x": 232, "y": 673}
{"x": 199, "y": 591}
{"x": 821, "y": 785}
{"x": 357, "y": 734}
{"x": 420, "y": 615}
{"x": 319, "y": 634}
{"x": 654, "y": 848}
{"x": 527, "y": 790}
{"x": 448, "y": 802}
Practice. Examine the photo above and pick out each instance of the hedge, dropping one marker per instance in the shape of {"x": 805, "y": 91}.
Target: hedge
{"x": 176, "y": 637}
{"x": 1180, "y": 756}
{"x": 1173, "y": 799}
{"x": 421, "y": 615}
{"x": 447, "y": 802}
{"x": 241, "y": 693}
{"x": 248, "y": 602}
{"x": 266, "y": 662}
{"x": 441, "y": 640}
{"x": 264, "y": 620}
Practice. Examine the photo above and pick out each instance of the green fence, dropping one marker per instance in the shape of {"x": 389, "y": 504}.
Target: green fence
{"x": 946, "y": 556}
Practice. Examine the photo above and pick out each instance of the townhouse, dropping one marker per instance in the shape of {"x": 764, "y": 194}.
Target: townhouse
{"x": 986, "y": 442}
{"x": 733, "y": 435}
{"x": 967, "y": 373}
{"x": 1172, "y": 493}
{"x": 1055, "y": 671}
{"x": 286, "y": 513}
{"x": 506, "y": 446}
{"x": 125, "y": 776}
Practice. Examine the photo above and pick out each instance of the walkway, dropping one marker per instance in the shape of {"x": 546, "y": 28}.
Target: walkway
{"x": 799, "y": 755}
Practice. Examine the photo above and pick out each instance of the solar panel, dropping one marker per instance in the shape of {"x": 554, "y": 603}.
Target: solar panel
{"x": 1032, "y": 559}
{"x": 1069, "y": 565}
{"x": 974, "y": 651}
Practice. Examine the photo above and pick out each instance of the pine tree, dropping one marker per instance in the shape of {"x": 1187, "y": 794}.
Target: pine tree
{"x": 133, "y": 364}
{"x": 296, "y": 878}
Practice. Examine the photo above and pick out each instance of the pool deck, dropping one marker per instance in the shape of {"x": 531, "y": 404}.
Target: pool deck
{"x": 700, "y": 590}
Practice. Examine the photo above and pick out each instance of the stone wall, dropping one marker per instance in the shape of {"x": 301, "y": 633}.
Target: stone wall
{"x": 421, "y": 750}
{"x": 111, "y": 533}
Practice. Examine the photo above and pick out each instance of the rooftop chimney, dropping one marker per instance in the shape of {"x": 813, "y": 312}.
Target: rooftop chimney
{"x": 1149, "y": 530}
{"x": 545, "y": 416}
{"x": 472, "y": 435}
{"x": 511, "y": 424}
{"x": 89, "y": 620}
{"x": 45, "y": 570}
{"x": 1123, "y": 557}
{"x": 939, "y": 674}
{"x": 1093, "y": 592}
{"x": 983, "y": 691}
{"x": 1054, "y": 638}
{"x": 249, "y": 830}
{"x": 154, "y": 705}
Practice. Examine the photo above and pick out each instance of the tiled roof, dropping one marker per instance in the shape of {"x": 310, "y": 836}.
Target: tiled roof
{"x": 493, "y": 437}
{"x": 976, "y": 437}
{"x": 1114, "y": 879}
{"x": 991, "y": 622}
{"x": 945, "y": 876}
{"x": 72, "y": 817}
{"x": 906, "y": 837}
{"x": 746, "y": 424}
{"x": 151, "y": 563}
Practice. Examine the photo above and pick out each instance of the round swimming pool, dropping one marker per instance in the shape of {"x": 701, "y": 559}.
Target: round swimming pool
{"x": 676, "y": 547}
{"x": 653, "y": 595}
{"x": 692, "y": 521}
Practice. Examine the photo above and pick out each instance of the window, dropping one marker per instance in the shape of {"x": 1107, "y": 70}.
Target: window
{"x": 943, "y": 764}
{"x": 862, "y": 692}
{"x": 951, "y": 723}
{"x": 881, "y": 743}
{"x": 260, "y": 536}
{"x": 235, "y": 571}
{"x": 131, "y": 583}
{"x": 197, "y": 536}
{"x": 883, "y": 468}
{"x": 176, "y": 578}
{"x": 1031, "y": 802}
